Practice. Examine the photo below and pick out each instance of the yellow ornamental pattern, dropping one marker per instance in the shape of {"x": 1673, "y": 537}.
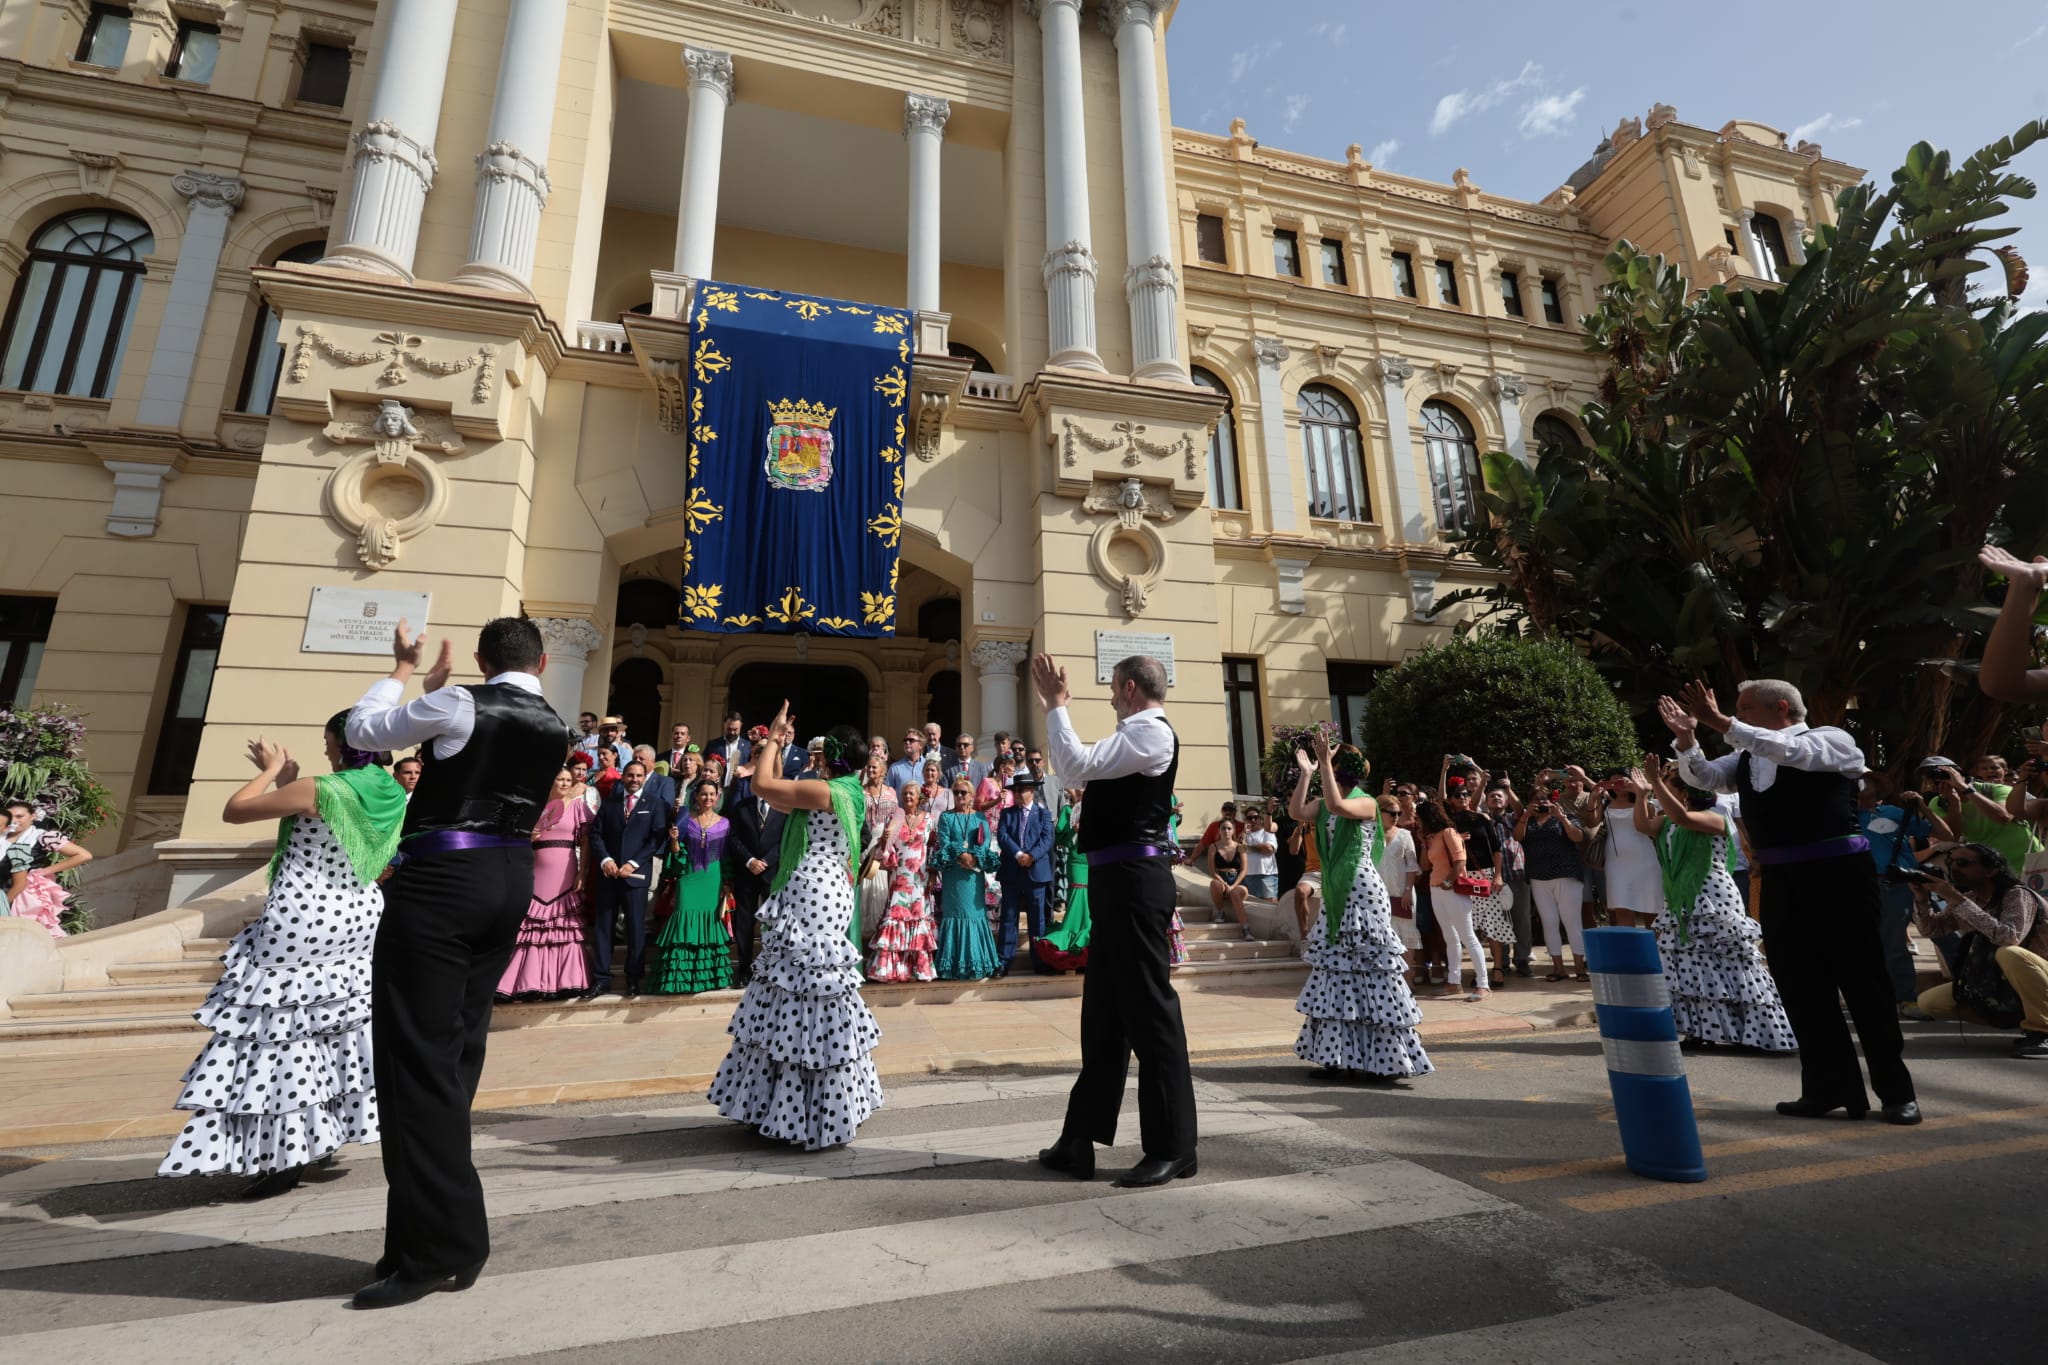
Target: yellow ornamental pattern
{"x": 701, "y": 511}
{"x": 888, "y": 524}
{"x": 896, "y": 483}
{"x": 891, "y": 323}
{"x": 878, "y": 609}
{"x": 791, "y": 610}
{"x": 836, "y": 622}
{"x": 745, "y": 621}
{"x": 810, "y": 310}
{"x": 724, "y": 300}
{"x": 891, "y": 386}
{"x": 709, "y": 361}
{"x": 702, "y": 603}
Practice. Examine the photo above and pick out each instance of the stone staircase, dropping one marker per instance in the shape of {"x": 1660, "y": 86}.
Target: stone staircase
{"x": 150, "y": 1002}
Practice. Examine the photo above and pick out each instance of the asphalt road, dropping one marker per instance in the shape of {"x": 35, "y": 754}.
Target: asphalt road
{"x": 1478, "y": 1214}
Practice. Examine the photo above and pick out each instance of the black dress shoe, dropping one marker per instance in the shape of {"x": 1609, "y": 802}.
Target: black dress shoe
{"x": 393, "y": 1290}
{"x": 632, "y": 989}
{"x": 1804, "y": 1108}
{"x": 274, "y": 1183}
{"x": 593, "y": 991}
{"x": 1157, "y": 1170}
{"x": 1905, "y": 1115}
{"x": 1076, "y": 1159}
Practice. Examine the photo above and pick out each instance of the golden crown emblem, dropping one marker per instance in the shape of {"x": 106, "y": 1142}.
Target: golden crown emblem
{"x": 796, "y": 412}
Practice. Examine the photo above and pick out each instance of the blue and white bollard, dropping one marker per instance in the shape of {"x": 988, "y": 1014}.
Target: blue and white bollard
{"x": 1645, "y": 1069}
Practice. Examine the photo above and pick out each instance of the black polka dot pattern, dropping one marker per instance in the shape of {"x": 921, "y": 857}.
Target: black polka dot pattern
{"x": 287, "y": 1077}
{"x": 1360, "y": 1014}
{"x": 800, "y": 1068}
{"x": 1720, "y": 988}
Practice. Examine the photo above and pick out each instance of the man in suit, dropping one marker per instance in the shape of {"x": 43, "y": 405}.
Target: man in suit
{"x": 962, "y": 760}
{"x": 678, "y": 745}
{"x": 753, "y": 852}
{"x": 658, "y": 783}
{"x": 732, "y": 746}
{"x": 1024, "y": 834}
{"x": 627, "y": 839}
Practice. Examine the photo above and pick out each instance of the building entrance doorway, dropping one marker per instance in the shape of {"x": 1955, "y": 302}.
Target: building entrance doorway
{"x": 820, "y": 696}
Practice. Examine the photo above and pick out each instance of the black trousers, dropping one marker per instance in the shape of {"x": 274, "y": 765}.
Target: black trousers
{"x": 449, "y": 927}
{"x": 1821, "y": 932}
{"x": 1128, "y": 1005}
{"x": 613, "y": 895}
{"x": 747, "y": 895}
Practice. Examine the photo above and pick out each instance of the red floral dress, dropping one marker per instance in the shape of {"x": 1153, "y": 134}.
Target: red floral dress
{"x": 903, "y": 946}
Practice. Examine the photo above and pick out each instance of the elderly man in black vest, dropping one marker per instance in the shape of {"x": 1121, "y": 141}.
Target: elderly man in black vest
{"x": 1820, "y": 909}
{"x": 1127, "y": 999}
{"x": 461, "y": 884}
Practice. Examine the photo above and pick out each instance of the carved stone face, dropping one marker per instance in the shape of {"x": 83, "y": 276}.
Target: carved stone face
{"x": 1133, "y": 494}
{"x": 392, "y": 420}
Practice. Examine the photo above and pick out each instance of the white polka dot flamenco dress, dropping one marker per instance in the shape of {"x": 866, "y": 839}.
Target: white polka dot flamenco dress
{"x": 1721, "y": 991}
{"x": 287, "y": 1077}
{"x": 1361, "y": 1016}
{"x": 800, "y": 1069}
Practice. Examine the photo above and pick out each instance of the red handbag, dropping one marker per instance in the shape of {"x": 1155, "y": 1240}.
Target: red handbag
{"x": 1470, "y": 884}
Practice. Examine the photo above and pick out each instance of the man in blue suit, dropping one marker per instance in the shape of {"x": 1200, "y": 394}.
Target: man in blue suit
{"x": 627, "y": 839}
{"x": 1024, "y": 835}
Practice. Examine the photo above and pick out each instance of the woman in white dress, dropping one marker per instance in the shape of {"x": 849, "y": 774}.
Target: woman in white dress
{"x": 286, "y": 1078}
{"x": 1360, "y": 1016}
{"x": 800, "y": 1069}
{"x": 1635, "y": 879}
{"x": 1721, "y": 991}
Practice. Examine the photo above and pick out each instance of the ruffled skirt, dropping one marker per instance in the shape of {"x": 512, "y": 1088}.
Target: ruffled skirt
{"x": 549, "y": 955}
{"x": 904, "y": 945}
{"x": 1721, "y": 991}
{"x": 966, "y": 946}
{"x": 693, "y": 952}
{"x": 1360, "y": 1014}
{"x": 41, "y": 900}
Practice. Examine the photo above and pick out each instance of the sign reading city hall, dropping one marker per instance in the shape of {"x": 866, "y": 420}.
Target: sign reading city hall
{"x": 1114, "y": 646}
{"x": 361, "y": 620}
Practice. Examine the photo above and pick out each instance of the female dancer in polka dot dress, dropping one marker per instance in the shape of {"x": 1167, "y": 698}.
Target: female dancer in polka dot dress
{"x": 1721, "y": 991}
{"x": 800, "y": 1068}
{"x": 286, "y": 1079}
{"x": 1361, "y": 1016}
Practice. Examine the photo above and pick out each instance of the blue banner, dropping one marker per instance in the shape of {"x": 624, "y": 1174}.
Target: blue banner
{"x": 796, "y": 463}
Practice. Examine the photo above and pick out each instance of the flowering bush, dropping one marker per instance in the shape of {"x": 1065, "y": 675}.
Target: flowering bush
{"x": 40, "y": 762}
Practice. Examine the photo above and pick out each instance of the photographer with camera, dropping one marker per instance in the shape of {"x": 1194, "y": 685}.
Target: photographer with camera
{"x": 1896, "y": 828}
{"x": 1550, "y": 835}
{"x": 2002, "y": 979}
{"x": 1966, "y": 812}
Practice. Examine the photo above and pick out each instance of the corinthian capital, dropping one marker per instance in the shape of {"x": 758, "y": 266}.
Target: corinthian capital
{"x": 925, "y": 113}
{"x": 1001, "y": 656}
{"x": 571, "y": 637}
{"x": 1118, "y": 15}
{"x": 709, "y": 69}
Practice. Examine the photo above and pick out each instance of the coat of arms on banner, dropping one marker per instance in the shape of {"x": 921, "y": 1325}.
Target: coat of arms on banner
{"x": 800, "y": 444}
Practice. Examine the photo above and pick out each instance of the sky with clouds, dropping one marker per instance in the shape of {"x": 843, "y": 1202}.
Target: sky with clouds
{"x": 1520, "y": 94}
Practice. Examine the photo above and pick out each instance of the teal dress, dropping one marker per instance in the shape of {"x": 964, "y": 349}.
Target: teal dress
{"x": 967, "y": 950}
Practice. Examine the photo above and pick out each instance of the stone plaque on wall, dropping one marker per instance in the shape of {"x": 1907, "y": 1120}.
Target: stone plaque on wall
{"x": 1114, "y": 646}
{"x": 361, "y": 620}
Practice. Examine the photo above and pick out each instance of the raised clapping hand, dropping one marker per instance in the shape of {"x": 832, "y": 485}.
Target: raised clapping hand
{"x": 1050, "y": 680}
{"x": 1678, "y": 720}
{"x": 1699, "y": 702}
{"x": 407, "y": 651}
{"x": 2031, "y": 577}
{"x": 270, "y": 757}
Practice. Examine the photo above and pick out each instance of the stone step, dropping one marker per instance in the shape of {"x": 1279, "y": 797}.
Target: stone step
{"x": 1239, "y": 949}
{"x": 109, "y": 1001}
{"x": 205, "y": 949}
{"x": 191, "y": 972}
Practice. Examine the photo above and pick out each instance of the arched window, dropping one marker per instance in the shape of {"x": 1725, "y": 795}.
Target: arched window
{"x": 1223, "y": 489}
{"x": 939, "y": 619}
{"x": 1772, "y": 258}
{"x": 646, "y": 602}
{"x": 1330, "y": 439}
{"x": 265, "y": 360}
{"x": 960, "y": 350}
{"x": 68, "y": 321}
{"x": 1551, "y": 430}
{"x": 1454, "y": 477}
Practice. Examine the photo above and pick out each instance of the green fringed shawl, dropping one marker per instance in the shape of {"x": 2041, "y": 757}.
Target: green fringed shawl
{"x": 365, "y": 808}
{"x": 1687, "y": 859}
{"x": 850, "y": 805}
{"x": 1341, "y": 854}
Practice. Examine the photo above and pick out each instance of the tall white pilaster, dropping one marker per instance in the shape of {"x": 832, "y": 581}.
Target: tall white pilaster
{"x": 1508, "y": 392}
{"x": 1272, "y": 354}
{"x": 394, "y": 153}
{"x": 1795, "y": 241}
{"x": 997, "y": 660}
{"x": 924, "y": 128}
{"x": 213, "y": 200}
{"x": 1409, "y": 515}
{"x": 570, "y": 640}
{"x": 1752, "y": 249}
{"x": 1149, "y": 285}
{"x": 1069, "y": 267}
{"x": 703, "y": 148}
{"x": 511, "y": 172}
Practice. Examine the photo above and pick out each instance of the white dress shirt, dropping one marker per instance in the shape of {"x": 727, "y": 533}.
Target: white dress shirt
{"x": 1826, "y": 750}
{"x": 447, "y": 717}
{"x": 1143, "y": 743}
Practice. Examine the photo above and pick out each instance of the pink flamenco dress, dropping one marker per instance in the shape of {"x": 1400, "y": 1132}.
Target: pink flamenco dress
{"x": 41, "y": 899}
{"x": 909, "y": 934}
{"x": 548, "y": 958}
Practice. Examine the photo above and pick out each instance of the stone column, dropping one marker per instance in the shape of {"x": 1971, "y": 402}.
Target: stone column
{"x": 511, "y": 172}
{"x": 1795, "y": 242}
{"x": 924, "y": 128}
{"x": 997, "y": 660}
{"x": 1410, "y": 519}
{"x": 1508, "y": 392}
{"x": 570, "y": 641}
{"x": 703, "y": 147}
{"x": 394, "y": 153}
{"x": 1752, "y": 250}
{"x": 1272, "y": 354}
{"x": 1069, "y": 267}
{"x": 1150, "y": 283}
{"x": 213, "y": 200}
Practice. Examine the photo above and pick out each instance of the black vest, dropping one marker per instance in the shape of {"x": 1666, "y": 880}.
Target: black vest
{"x": 1129, "y": 810}
{"x": 1800, "y": 807}
{"x": 499, "y": 781}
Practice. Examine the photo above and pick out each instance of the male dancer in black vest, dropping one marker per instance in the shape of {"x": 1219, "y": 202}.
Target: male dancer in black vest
{"x": 1820, "y": 899}
{"x": 1127, "y": 999}
{"x": 463, "y": 880}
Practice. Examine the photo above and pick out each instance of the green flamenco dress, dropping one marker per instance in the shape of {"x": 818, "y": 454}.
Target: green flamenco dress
{"x": 967, "y": 950}
{"x": 694, "y": 951}
{"x": 1065, "y": 949}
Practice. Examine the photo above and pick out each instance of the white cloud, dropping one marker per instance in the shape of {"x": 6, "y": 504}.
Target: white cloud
{"x": 1461, "y": 104}
{"x": 1332, "y": 34}
{"x": 1296, "y": 106}
{"x": 1813, "y": 128}
{"x": 1383, "y": 151}
{"x": 1549, "y": 114}
{"x": 1244, "y": 59}
{"x": 2038, "y": 31}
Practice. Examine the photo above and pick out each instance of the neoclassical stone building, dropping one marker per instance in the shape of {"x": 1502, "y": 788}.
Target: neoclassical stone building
{"x": 333, "y": 294}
